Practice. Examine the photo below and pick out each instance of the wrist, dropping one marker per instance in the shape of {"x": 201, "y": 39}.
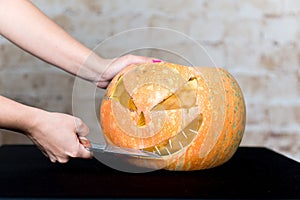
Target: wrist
{"x": 17, "y": 116}
{"x": 92, "y": 67}
{"x": 30, "y": 119}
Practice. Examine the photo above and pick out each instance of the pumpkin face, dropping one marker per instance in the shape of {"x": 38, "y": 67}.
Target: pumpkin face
{"x": 194, "y": 118}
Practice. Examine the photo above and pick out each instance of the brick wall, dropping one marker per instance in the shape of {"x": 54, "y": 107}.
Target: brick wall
{"x": 257, "y": 41}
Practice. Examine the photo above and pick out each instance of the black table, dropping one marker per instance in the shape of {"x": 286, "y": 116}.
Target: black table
{"x": 251, "y": 173}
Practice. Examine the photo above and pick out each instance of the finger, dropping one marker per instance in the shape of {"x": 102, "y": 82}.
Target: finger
{"x": 80, "y": 150}
{"x": 46, "y": 153}
{"x": 42, "y": 149}
{"x": 102, "y": 84}
{"x": 142, "y": 59}
{"x": 61, "y": 159}
{"x": 130, "y": 59}
{"x": 84, "y": 153}
{"x": 52, "y": 158}
{"x": 81, "y": 128}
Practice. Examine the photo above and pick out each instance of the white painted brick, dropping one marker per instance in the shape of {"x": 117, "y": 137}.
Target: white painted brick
{"x": 276, "y": 58}
{"x": 13, "y": 59}
{"x": 283, "y": 29}
{"x": 286, "y": 144}
{"x": 257, "y": 41}
{"x": 291, "y": 7}
{"x": 269, "y": 86}
{"x": 284, "y": 115}
{"x": 36, "y": 83}
{"x": 217, "y": 53}
{"x": 241, "y": 56}
{"x": 247, "y": 9}
{"x": 211, "y": 29}
{"x": 245, "y": 33}
{"x": 257, "y": 113}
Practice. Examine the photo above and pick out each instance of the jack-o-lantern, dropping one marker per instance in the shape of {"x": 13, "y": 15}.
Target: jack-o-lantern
{"x": 193, "y": 117}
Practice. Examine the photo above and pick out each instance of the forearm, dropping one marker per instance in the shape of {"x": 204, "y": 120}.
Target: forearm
{"x": 16, "y": 116}
{"x": 54, "y": 133}
{"x": 25, "y": 25}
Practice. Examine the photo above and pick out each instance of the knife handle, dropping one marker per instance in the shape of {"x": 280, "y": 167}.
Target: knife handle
{"x": 85, "y": 142}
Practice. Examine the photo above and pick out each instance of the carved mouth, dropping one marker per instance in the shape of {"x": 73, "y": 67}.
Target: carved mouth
{"x": 178, "y": 142}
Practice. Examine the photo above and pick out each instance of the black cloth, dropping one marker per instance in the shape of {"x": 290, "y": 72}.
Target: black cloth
{"x": 252, "y": 173}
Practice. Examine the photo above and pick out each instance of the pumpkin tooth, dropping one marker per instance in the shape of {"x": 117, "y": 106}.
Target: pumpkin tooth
{"x": 168, "y": 150}
{"x": 157, "y": 150}
{"x": 193, "y": 131}
{"x": 180, "y": 144}
{"x": 170, "y": 144}
{"x": 183, "y": 133}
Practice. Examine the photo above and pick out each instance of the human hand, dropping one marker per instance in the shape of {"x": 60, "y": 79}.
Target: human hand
{"x": 115, "y": 65}
{"x": 101, "y": 71}
{"x": 56, "y": 135}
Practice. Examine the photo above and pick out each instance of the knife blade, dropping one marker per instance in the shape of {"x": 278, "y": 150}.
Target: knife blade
{"x": 106, "y": 148}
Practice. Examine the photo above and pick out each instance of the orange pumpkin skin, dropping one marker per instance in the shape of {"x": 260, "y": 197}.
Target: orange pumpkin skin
{"x": 218, "y": 100}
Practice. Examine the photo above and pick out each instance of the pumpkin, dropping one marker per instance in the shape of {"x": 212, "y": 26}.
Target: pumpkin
{"x": 193, "y": 117}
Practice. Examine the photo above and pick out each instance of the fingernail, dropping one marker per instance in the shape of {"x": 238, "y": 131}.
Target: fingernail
{"x": 156, "y": 60}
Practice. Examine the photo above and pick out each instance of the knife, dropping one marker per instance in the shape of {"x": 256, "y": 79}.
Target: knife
{"x": 106, "y": 148}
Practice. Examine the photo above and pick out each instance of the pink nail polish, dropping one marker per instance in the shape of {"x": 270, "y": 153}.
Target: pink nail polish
{"x": 156, "y": 61}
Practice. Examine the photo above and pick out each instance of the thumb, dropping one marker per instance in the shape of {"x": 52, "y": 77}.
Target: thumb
{"x": 81, "y": 128}
{"x": 82, "y": 151}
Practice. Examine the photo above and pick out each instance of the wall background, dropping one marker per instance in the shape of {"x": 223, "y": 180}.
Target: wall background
{"x": 257, "y": 41}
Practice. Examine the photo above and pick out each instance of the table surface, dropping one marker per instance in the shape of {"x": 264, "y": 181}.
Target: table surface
{"x": 252, "y": 173}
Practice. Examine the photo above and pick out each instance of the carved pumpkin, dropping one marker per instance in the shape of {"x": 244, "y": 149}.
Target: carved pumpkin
{"x": 194, "y": 117}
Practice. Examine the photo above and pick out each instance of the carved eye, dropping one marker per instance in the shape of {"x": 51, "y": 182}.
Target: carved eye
{"x": 177, "y": 112}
